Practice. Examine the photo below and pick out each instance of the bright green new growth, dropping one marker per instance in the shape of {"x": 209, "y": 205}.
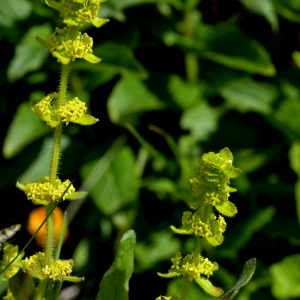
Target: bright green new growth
{"x": 210, "y": 189}
{"x": 66, "y": 45}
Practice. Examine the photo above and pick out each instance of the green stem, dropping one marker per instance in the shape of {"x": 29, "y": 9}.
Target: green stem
{"x": 41, "y": 290}
{"x": 188, "y": 282}
{"x": 191, "y": 58}
{"x": 53, "y": 172}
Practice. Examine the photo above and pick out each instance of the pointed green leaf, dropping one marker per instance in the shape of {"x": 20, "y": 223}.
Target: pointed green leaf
{"x": 86, "y": 120}
{"x": 245, "y": 277}
{"x": 62, "y": 59}
{"x": 227, "y": 209}
{"x": 73, "y": 278}
{"x": 117, "y": 186}
{"x": 181, "y": 230}
{"x": 99, "y": 22}
{"x": 70, "y": 22}
{"x": 234, "y": 173}
{"x": 20, "y": 186}
{"x": 216, "y": 240}
{"x": 130, "y": 97}
{"x": 53, "y": 4}
{"x": 41, "y": 41}
{"x": 29, "y": 55}
{"x": 172, "y": 273}
{"x": 208, "y": 287}
{"x": 114, "y": 284}
{"x": 8, "y": 232}
{"x": 21, "y": 286}
{"x": 92, "y": 58}
{"x": 264, "y": 8}
{"x": 76, "y": 195}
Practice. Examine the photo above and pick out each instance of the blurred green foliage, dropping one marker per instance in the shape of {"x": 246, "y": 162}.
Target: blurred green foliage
{"x": 178, "y": 78}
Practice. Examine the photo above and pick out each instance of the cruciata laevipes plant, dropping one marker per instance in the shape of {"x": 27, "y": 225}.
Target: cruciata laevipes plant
{"x": 210, "y": 189}
{"x": 66, "y": 45}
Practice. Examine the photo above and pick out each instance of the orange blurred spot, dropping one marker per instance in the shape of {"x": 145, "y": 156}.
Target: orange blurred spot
{"x": 37, "y": 216}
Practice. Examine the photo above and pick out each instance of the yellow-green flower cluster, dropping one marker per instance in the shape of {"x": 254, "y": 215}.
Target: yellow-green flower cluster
{"x": 9, "y": 253}
{"x": 42, "y": 192}
{"x": 67, "y": 45}
{"x": 57, "y": 269}
{"x": 70, "y": 112}
{"x": 194, "y": 223}
{"x": 192, "y": 266}
{"x": 78, "y": 12}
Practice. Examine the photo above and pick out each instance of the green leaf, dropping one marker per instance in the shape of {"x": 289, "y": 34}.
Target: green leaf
{"x": 76, "y": 195}
{"x": 181, "y": 230}
{"x": 12, "y": 11}
{"x": 183, "y": 93}
{"x": 81, "y": 254}
{"x": 264, "y": 8}
{"x": 99, "y": 22}
{"x": 226, "y": 45}
{"x": 8, "y": 232}
{"x": 245, "y": 277}
{"x": 289, "y": 9}
{"x": 92, "y": 58}
{"x": 172, "y": 273}
{"x": 176, "y": 286}
{"x": 129, "y": 97}
{"x": 294, "y": 156}
{"x": 160, "y": 246}
{"x": 53, "y": 4}
{"x": 117, "y": 187}
{"x": 24, "y": 129}
{"x": 21, "y": 286}
{"x": 227, "y": 209}
{"x": 115, "y": 282}
{"x": 216, "y": 239}
{"x": 247, "y": 94}
{"x": 208, "y": 287}
{"x": 285, "y": 277}
{"x": 287, "y": 118}
{"x": 29, "y": 55}
{"x": 201, "y": 120}
{"x": 86, "y": 120}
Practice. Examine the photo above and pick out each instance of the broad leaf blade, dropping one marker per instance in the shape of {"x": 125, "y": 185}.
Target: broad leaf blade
{"x": 247, "y": 274}
{"x": 114, "y": 284}
{"x": 21, "y": 286}
{"x": 208, "y": 287}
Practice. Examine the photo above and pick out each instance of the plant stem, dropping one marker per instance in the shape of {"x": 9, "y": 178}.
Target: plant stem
{"x": 52, "y": 177}
{"x": 191, "y": 58}
{"x": 188, "y": 282}
{"x": 41, "y": 290}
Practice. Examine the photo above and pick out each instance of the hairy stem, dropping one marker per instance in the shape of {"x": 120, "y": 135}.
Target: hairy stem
{"x": 53, "y": 172}
{"x": 187, "y": 281}
{"x": 41, "y": 290}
